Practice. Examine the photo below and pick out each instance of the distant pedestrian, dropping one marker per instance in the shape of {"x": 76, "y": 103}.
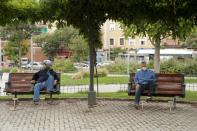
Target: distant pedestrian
{"x": 144, "y": 79}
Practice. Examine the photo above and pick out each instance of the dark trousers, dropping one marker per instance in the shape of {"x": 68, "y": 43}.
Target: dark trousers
{"x": 140, "y": 89}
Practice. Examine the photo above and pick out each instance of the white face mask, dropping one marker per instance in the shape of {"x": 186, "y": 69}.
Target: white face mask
{"x": 144, "y": 68}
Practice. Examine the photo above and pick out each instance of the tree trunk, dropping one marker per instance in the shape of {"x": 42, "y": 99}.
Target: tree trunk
{"x": 157, "y": 57}
{"x": 91, "y": 56}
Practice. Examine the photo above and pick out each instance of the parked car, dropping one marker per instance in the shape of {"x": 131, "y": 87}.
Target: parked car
{"x": 81, "y": 66}
{"x": 104, "y": 63}
{"x": 3, "y": 64}
{"x": 24, "y": 61}
{"x": 34, "y": 65}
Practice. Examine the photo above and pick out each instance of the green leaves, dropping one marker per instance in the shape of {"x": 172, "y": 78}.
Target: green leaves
{"x": 64, "y": 38}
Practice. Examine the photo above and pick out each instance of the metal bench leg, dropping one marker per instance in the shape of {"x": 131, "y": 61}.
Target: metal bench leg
{"x": 174, "y": 102}
{"x": 50, "y": 98}
{"x": 15, "y": 99}
{"x": 15, "y": 102}
{"x": 142, "y": 104}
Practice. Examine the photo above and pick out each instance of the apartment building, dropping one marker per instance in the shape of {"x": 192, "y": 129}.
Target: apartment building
{"x": 113, "y": 36}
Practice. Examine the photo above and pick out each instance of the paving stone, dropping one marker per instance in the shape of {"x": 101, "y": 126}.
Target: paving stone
{"x": 74, "y": 115}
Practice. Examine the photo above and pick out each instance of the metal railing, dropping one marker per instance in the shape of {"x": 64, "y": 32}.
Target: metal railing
{"x": 190, "y": 82}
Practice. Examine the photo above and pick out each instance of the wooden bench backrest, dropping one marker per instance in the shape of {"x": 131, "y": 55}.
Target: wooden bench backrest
{"x": 166, "y": 84}
{"x": 20, "y": 79}
{"x": 20, "y": 82}
{"x": 170, "y": 78}
{"x": 164, "y": 78}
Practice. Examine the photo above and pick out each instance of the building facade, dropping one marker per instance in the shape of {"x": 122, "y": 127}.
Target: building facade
{"x": 113, "y": 36}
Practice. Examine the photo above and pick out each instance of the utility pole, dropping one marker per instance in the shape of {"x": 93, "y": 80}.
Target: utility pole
{"x": 31, "y": 51}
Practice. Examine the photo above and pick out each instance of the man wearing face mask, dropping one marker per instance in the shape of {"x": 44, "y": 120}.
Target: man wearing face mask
{"x": 144, "y": 79}
{"x": 45, "y": 78}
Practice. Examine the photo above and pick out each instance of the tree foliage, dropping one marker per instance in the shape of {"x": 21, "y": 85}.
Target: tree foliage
{"x": 12, "y": 50}
{"x": 16, "y": 34}
{"x": 191, "y": 40}
{"x": 64, "y": 38}
{"x": 17, "y": 10}
{"x": 115, "y": 51}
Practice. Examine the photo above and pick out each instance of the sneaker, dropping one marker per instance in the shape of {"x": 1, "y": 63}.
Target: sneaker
{"x": 137, "y": 107}
{"x": 148, "y": 98}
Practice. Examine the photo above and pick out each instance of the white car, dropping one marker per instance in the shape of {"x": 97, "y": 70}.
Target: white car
{"x": 81, "y": 66}
{"x": 105, "y": 63}
{"x": 35, "y": 65}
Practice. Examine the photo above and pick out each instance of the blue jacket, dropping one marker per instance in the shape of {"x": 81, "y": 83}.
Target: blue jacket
{"x": 143, "y": 77}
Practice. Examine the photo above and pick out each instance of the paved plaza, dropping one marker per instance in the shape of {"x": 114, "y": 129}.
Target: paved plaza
{"x": 114, "y": 115}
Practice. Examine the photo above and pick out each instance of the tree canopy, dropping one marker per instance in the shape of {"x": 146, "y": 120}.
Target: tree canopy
{"x": 64, "y": 38}
{"x": 16, "y": 34}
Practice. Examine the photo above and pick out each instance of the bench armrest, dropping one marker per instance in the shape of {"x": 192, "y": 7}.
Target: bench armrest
{"x": 7, "y": 85}
{"x": 57, "y": 87}
{"x": 183, "y": 89}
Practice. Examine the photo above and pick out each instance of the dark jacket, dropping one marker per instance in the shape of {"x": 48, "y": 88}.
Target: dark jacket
{"x": 42, "y": 75}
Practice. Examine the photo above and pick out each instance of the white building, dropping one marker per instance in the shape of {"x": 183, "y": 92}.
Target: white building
{"x": 165, "y": 54}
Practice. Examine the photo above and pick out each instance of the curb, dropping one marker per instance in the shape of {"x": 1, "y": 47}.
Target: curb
{"x": 102, "y": 98}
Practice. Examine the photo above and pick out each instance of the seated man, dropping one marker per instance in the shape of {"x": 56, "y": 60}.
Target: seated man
{"x": 45, "y": 78}
{"x": 144, "y": 79}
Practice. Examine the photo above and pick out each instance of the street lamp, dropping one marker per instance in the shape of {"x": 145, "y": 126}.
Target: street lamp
{"x": 32, "y": 51}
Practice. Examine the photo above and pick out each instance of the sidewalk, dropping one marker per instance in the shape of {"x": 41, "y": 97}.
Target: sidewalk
{"x": 74, "y": 115}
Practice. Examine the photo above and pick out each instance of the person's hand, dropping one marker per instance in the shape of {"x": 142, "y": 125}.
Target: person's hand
{"x": 33, "y": 81}
{"x": 137, "y": 85}
{"x": 55, "y": 82}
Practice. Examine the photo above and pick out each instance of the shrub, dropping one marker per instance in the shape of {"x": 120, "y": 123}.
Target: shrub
{"x": 63, "y": 65}
{"x": 85, "y": 73}
{"x": 119, "y": 66}
{"x": 172, "y": 66}
{"x": 101, "y": 72}
{"x": 133, "y": 67}
{"x": 190, "y": 66}
{"x": 9, "y": 70}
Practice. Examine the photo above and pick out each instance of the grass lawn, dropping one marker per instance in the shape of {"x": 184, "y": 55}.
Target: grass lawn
{"x": 67, "y": 80}
{"x": 187, "y": 80}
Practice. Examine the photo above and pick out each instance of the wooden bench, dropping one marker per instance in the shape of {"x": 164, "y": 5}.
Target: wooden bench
{"x": 20, "y": 83}
{"x": 166, "y": 85}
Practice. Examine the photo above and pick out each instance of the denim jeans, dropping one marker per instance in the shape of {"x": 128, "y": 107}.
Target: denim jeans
{"x": 39, "y": 86}
{"x": 140, "y": 89}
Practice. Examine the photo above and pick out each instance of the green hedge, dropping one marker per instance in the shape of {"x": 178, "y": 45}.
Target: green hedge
{"x": 101, "y": 72}
{"x": 187, "y": 66}
{"x": 63, "y": 65}
{"x": 9, "y": 69}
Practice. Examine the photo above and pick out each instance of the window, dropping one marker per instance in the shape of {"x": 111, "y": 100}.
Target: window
{"x": 121, "y": 41}
{"x": 131, "y": 41}
{"x": 142, "y": 41}
{"x": 111, "y": 41}
{"x": 112, "y": 26}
